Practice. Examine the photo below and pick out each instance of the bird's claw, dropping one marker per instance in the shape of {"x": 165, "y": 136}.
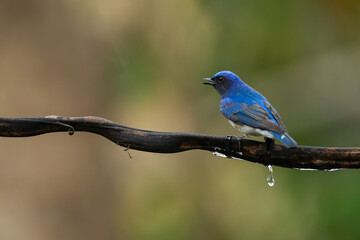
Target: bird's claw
{"x": 269, "y": 146}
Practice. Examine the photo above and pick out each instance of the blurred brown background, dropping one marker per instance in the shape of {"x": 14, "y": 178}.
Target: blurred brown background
{"x": 140, "y": 63}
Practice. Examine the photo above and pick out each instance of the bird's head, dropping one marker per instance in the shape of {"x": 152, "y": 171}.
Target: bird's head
{"x": 223, "y": 81}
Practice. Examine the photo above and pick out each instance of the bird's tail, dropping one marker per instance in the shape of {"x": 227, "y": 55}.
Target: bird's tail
{"x": 285, "y": 139}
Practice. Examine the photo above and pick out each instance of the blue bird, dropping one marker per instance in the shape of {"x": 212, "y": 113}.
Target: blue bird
{"x": 247, "y": 110}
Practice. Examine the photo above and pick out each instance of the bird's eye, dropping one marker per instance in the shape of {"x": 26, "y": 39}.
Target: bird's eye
{"x": 220, "y": 79}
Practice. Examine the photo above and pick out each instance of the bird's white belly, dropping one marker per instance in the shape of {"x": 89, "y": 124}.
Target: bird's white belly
{"x": 248, "y": 130}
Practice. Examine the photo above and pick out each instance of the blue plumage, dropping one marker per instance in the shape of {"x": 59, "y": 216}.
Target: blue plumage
{"x": 247, "y": 110}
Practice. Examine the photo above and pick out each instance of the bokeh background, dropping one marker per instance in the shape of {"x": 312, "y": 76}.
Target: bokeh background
{"x": 140, "y": 63}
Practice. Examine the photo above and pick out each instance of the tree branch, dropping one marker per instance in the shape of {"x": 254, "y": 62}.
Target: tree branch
{"x": 302, "y": 157}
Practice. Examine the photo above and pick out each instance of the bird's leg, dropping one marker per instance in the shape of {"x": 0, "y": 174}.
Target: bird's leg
{"x": 269, "y": 145}
{"x": 228, "y": 146}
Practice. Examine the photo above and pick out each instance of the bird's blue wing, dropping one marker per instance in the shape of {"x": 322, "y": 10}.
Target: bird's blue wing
{"x": 253, "y": 115}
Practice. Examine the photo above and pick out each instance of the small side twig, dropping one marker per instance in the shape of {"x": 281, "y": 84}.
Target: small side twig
{"x": 127, "y": 150}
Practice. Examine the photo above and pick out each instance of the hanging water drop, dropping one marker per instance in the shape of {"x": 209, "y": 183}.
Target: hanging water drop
{"x": 270, "y": 179}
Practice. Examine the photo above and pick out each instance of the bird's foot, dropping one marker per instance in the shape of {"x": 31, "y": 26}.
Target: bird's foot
{"x": 228, "y": 146}
{"x": 269, "y": 146}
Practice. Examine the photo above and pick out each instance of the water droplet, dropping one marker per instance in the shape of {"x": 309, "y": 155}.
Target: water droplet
{"x": 270, "y": 179}
{"x": 326, "y": 170}
{"x": 219, "y": 154}
{"x": 332, "y": 170}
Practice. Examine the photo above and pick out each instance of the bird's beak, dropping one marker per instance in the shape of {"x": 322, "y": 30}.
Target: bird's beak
{"x": 209, "y": 81}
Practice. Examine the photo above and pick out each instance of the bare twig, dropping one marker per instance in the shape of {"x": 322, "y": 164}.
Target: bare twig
{"x": 302, "y": 157}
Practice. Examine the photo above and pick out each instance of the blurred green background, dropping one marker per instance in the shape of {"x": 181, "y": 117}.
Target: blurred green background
{"x": 140, "y": 63}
